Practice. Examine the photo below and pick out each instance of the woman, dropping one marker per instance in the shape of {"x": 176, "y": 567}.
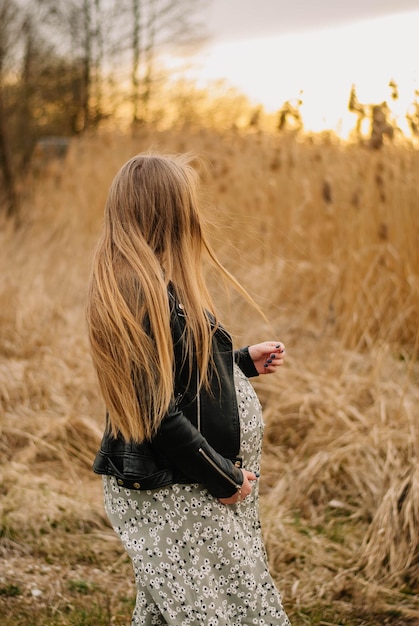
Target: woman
{"x": 181, "y": 450}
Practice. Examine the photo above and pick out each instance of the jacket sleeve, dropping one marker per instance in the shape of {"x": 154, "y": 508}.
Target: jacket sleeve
{"x": 244, "y": 361}
{"x": 179, "y": 440}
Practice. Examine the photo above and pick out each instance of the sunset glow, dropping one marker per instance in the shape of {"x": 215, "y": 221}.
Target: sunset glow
{"x": 322, "y": 65}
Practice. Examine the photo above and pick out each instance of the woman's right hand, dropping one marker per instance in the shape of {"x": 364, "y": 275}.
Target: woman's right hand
{"x": 244, "y": 490}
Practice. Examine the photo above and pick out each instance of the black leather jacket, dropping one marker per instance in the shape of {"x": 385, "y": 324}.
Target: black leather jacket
{"x": 198, "y": 440}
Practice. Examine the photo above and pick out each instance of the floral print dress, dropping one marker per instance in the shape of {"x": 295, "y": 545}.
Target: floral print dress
{"x": 197, "y": 561}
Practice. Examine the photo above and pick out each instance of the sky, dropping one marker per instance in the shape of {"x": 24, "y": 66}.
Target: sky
{"x": 242, "y": 19}
{"x": 278, "y": 50}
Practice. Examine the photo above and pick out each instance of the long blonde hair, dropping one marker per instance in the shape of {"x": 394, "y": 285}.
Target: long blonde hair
{"x": 152, "y": 236}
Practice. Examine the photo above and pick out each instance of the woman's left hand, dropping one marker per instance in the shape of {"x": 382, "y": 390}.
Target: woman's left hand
{"x": 244, "y": 491}
{"x": 267, "y": 356}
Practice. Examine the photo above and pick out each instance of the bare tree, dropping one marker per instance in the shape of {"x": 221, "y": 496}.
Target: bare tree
{"x": 156, "y": 26}
{"x": 136, "y": 52}
{"x": 87, "y": 36}
{"x": 9, "y": 24}
{"x": 98, "y": 59}
{"x": 81, "y": 28}
{"x": 27, "y": 87}
{"x": 75, "y": 19}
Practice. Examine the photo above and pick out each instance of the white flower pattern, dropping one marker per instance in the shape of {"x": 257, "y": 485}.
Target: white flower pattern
{"x": 197, "y": 561}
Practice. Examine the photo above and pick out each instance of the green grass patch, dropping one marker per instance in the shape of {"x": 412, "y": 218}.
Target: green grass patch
{"x": 10, "y": 591}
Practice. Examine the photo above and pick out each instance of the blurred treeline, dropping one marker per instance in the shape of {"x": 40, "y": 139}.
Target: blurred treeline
{"x": 66, "y": 65}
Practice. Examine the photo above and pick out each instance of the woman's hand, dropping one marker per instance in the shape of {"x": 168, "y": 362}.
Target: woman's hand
{"x": 244, "y": 490}
{"x": 267, "y": 356}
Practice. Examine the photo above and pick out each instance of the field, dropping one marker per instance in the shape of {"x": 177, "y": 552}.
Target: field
{"x": 325, "y": 237}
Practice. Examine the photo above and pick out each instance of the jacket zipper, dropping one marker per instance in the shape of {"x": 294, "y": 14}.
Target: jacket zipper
{"x": 220, "y": 471}
{"x": 201, "y": 451}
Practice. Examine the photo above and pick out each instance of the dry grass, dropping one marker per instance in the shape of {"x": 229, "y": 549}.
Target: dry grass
{"x": 325, "y": 236}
